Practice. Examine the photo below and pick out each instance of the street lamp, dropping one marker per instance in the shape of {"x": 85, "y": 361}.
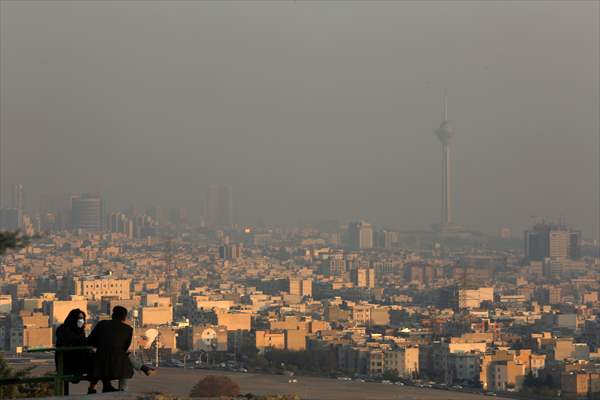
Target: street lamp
{"x": 135, "y": 314}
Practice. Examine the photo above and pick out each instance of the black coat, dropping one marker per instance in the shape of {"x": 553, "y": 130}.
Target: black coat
{"x": 112, "y": 340}
{"x": 74, "y": 362}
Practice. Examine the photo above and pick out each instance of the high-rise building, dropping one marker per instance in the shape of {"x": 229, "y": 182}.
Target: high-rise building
{"x": 120, "y": 223}
{"x": 230, "y": 252}
{"x": 552, "y": 241}
{"x": 86, "y": 212}
{"x": 219, "y": 206}
{"x": 445, "y": 133}
{"x": 385, "y": 239}
{"x": 360, "y": 235}
{"x": 17, "y": 198}
{"x": 336, "y": 265}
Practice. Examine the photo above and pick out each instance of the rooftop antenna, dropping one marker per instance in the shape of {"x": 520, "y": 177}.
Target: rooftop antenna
{"x": 445, "y": 104}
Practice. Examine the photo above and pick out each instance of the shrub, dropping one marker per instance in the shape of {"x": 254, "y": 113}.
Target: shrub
{"x": 215, "y": 386}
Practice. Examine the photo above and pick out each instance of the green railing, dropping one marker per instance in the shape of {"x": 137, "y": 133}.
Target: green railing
{"x": 60, "y": 380}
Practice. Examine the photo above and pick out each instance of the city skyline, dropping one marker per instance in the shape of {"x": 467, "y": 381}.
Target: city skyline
{"x": 345, "y": 138}
{"x": 245, "y": 197}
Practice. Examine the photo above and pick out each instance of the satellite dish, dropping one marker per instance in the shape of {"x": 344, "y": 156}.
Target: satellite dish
{"x": 150, "y": 335}
{"x": 208, "y": 336}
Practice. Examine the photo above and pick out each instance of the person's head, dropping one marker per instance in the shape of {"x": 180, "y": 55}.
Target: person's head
{"x": 119, "y": 313}
{"x": 75, "y": 319}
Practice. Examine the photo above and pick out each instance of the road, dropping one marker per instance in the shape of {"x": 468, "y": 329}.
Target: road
{"x": 180, "y": 381}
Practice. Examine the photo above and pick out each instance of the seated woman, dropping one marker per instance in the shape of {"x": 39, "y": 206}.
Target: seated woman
{"x": 72, "y": 334}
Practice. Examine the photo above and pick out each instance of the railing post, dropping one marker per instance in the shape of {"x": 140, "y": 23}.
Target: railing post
{"x": 59, "y": 389}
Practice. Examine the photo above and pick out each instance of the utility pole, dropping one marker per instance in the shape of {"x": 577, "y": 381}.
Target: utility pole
{"x": 156, "y": 347}
{"x": 135, "y": 341}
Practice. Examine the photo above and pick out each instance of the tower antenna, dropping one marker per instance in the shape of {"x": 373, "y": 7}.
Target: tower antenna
{"x": 445, "y": 104}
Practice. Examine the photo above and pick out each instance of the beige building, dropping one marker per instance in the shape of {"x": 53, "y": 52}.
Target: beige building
{"x": 472, "y": 298}
{"x": 295, "y": 340}
{"x": 94, "y": 288}
{"x": 162, "y": 315}
{"x": 300, "y": 287}
{"x": 29, "y": 330}
{"x": 375, "y": 362}
{"x": 580, "y": 384}
{"x": 501, "y": 371}
{"x": 59, "y": 309}
{"x": 364, "y": 277}
{"x": 234, "y": 321}
{"x": 403, "y": 360}
{"x": 270, "y": 340}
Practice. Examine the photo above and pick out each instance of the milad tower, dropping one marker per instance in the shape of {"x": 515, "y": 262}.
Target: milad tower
{"x": 445, "y": 133}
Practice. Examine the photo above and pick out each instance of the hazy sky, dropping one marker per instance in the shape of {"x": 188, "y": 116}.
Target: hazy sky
{"x": 308, "y": 109}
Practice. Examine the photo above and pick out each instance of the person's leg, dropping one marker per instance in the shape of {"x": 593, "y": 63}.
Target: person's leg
{"x": 92, "y": 387}
{"x": 138, "y": 366}
{"x": 135, "y": 363}
{"x": 107, "y": 386}
{"x": 123, "y": 384}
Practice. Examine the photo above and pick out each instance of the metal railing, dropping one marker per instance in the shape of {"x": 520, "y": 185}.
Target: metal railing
{"x": 60, "y": 380}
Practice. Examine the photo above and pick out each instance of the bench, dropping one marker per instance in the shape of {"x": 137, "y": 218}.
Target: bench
{"x": 60, "y": 380}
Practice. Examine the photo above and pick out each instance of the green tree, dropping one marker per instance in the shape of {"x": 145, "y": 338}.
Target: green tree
{"x": 13, "y": 241}
{"x": 390, "y": 375}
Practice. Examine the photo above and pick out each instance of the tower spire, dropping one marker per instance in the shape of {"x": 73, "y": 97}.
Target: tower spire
{"x": 445, "y": 105}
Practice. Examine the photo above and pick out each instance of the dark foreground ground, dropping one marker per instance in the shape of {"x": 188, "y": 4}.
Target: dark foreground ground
{"x": 178, "y": 382}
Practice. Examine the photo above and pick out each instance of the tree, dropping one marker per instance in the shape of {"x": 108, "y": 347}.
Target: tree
{"x": 390, "y": 375}
{"x": 215, "y": 386}
{"x": 12, "y": 241}
{"x": 26, "y": 390}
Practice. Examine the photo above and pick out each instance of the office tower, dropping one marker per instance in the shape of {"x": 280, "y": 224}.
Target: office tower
{"x": 219, "y": 206}
{"x": 86, "y": 212}
{"x": 17, "y": 199}
{"x": 120, "y": 223}
{"x": 11, "y": 219}
{"x": 445, "y": 133}
{"x": 337, "y": 265}
{"x": 385, "y": 239}
{"x": 552, "y": 241}
{"x": 559, "y": 244}
{"x": 360, "y": 235}
{"x": 230, "y": 252}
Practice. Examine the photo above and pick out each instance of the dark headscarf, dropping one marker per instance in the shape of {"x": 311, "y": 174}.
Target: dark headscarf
{"x": 71, "y": 321}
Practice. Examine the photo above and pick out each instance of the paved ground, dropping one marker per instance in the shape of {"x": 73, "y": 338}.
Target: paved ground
{"x": 179, "y": 382}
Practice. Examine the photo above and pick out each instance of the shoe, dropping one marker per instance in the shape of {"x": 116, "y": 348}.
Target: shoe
{"x": 149, "y": 371}
{"x": 92, "y": 391}
{"x": 109, "y": 389}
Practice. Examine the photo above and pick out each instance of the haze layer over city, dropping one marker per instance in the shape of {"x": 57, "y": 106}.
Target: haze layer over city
{"x": 308, "y": 110}
{"x": 300, "y": 199}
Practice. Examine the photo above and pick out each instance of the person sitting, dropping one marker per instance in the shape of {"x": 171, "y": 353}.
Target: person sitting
{"x": 111, "y": 339}
{"x": 144, "y": 342}
{"x": 72, "y": 334}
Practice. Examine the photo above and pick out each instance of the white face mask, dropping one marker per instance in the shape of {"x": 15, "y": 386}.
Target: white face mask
{"x": 80, "y": 323}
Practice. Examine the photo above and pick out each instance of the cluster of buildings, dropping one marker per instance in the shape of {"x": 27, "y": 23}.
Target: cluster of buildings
{"x": 496, "y": 320}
